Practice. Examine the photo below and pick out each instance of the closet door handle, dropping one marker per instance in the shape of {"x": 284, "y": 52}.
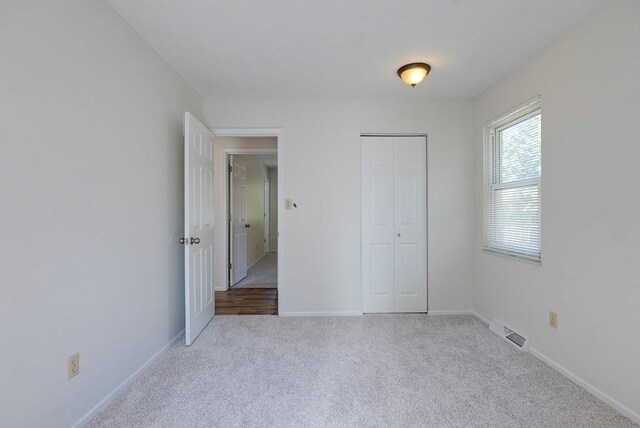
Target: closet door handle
{"x": 399, "y": 235}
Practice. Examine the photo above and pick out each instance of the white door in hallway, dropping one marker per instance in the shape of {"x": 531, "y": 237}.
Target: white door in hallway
{"x": 394, "y": 224}
{"x": 238, "y": 223}
{"x": 198, "y": 227}
{"x": 267, "y": 216}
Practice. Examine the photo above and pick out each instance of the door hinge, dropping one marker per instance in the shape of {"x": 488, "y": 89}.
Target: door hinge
{"x": 230, "y": 168}
{"x": 230, "y": 266}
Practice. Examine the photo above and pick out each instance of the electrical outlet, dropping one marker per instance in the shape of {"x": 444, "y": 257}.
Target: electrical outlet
{"x": 553, "y": 319}
{"x": 73, "y": 365}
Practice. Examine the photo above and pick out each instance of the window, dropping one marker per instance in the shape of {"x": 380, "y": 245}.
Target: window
{"x": 512, "y": 158}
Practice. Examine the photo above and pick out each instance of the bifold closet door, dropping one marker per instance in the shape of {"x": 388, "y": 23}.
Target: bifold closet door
{"x": 378, "y": 250}
{"x": 410, "y": 220}
{"x": 394, "y": 220}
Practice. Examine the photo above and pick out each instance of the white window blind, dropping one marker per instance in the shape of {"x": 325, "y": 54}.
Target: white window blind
{"x": 512, "y": 157}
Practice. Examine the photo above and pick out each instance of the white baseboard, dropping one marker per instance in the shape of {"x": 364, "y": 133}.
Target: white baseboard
{"x": 322, "y": 314}
{"x": 220, "y": 289}
{"x": 453, "y": 312}
{"x": 599, "y": 394}
{"x": 480, "y": 317}
{"x": 123, "y": 386}
{"x": 358, "y": 313}
{"x": 256, "y": 261}
{"x": 460, "y": 312}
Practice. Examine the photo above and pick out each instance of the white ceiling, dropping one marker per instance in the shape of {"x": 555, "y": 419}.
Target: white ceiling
{"x": 347, "y": 48}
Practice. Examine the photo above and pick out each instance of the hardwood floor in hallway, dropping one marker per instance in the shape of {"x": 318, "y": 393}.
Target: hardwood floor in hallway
{"x": 247, "y": 301}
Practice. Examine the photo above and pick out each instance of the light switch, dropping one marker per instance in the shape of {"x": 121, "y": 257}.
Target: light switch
{"x": 288, "y": 204}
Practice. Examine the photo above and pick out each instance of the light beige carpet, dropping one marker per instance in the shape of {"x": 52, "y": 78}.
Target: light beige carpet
{"x": 263, "y": 274}
{"x": 368, "y": 371}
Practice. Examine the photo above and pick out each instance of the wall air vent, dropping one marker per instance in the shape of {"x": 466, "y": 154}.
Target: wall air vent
{"x": 509, "y": 335}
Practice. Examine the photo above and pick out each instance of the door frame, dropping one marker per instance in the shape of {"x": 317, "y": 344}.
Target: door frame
{"x": 278, "y": 133}
{"x": 426, "y": 165}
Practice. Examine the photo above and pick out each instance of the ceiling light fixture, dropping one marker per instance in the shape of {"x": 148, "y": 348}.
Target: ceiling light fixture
{"x": 414, "y": 73}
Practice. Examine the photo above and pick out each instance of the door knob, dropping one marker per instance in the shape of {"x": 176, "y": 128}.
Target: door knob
{"x": 194, "y": 240}
{"x": 399, "y": 235}
{"x": 246, "y": 226}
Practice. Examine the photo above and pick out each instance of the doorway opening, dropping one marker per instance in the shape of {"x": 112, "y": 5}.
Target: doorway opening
{"x": 250, "y": 195}
{"x": 253, "y": 261}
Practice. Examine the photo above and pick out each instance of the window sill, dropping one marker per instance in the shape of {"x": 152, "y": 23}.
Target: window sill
{"x": 512, "y": 256}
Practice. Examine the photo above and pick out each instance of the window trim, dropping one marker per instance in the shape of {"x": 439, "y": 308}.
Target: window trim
{"x": 521, "y": 113}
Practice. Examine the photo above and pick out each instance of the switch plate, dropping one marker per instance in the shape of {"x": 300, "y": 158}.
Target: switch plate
{"x": 288, "y": 204}
{"x": 553, "y": 319}
{"x": 73, "y": 365}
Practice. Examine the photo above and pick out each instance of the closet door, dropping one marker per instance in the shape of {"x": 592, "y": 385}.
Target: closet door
{"x": 394, "y": 220}
{"x": 410, "y": 224}
{"x": 378, "y": 244}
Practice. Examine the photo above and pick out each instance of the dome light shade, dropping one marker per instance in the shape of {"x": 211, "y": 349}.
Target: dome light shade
{"x": 414, "y": 73}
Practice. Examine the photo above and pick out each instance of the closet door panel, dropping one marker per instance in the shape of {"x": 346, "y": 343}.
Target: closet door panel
{"x": 378, "y": 249}
{"x": 410, "y": 213}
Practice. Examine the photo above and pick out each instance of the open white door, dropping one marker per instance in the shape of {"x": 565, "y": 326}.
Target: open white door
{"x": 198, "y": 227}
{"x": 267, "y": 216}
{"x": 238, "y": 223}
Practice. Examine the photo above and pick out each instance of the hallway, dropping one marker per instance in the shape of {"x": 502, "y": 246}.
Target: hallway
{"x": 257, "y": 294}
{"x": 263, "y": 274}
